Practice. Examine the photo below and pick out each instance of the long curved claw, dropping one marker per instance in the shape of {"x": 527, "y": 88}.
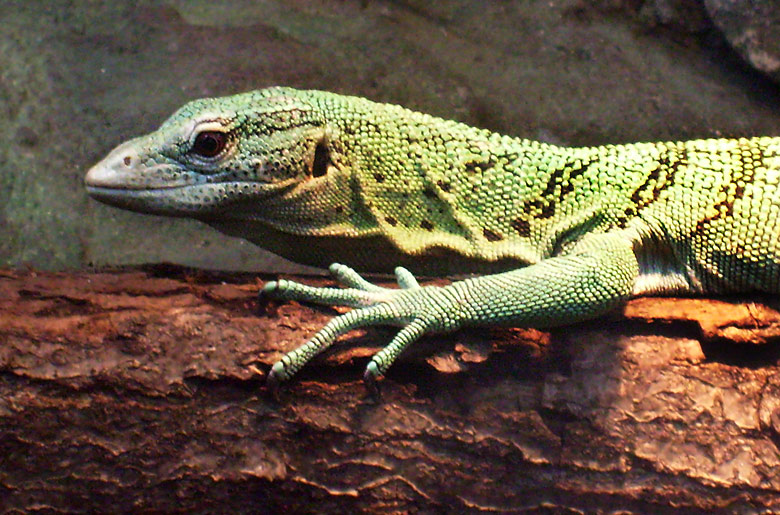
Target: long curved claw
{"x": 272, "y": 380}
{"x": 371, "y": 379}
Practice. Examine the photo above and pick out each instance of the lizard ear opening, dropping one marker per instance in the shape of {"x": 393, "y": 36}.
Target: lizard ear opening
{"x": 321, "y": 161}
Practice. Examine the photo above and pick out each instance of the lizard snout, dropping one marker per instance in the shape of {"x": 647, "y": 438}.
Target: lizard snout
{"x": 120, "y": 169}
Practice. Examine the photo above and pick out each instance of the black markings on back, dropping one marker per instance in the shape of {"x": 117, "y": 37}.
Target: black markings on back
{"x": 748, "y": 158}
{"x": 655, "y": 183}
{"x": 562, "y": 178}
{"x": 660, "y": 178}
{"x": 548, "y": 211}
{"x": 491, "y": 235}
{"x": 509, "y": 157}
{"x": 479, "y": 166}
{"x": 378, "y": 177}
{"x": 445, "y": 186}
{"x": 522, "y": 227}
{"x": 568, "y": 184}
{"x": 427, "y": 225}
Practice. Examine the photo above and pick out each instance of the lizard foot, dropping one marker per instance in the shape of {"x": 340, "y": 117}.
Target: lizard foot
{"x": 416, "y": 309}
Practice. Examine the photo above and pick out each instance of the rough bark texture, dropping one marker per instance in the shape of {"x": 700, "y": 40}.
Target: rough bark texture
{"x": 142, "y": 389}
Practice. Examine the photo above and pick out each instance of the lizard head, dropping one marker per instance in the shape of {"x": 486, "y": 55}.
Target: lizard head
{"x": 217, "y": 157}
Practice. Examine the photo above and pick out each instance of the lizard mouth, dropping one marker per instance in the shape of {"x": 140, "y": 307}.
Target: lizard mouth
{"x": 188, "y": 200}
{"x": 234, "y": 199}
{"x": 126, "y": 180}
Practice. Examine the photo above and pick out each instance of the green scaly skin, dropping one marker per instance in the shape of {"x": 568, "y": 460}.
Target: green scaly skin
{"x": 558, "y": 234}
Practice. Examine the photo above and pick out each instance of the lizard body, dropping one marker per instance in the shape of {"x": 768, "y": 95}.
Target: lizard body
{"x": 560, "y": 234}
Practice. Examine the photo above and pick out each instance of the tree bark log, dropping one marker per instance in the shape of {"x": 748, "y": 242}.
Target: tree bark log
{"x": 143, "y": 390}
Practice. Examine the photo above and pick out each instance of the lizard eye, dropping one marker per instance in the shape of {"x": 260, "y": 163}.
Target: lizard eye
{"x": 209, "y": 143}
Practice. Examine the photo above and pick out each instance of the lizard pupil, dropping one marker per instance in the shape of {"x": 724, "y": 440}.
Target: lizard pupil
{"x": 209, "y": 143}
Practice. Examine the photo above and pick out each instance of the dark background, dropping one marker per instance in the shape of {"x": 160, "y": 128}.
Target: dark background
{"x": 79, "y": 77}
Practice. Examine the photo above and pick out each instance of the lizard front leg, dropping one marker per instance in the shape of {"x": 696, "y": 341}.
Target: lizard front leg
{"x": 595, "y": 277}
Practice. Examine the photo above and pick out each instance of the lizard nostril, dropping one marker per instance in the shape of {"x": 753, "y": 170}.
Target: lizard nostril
{"x": 127, "y": 160}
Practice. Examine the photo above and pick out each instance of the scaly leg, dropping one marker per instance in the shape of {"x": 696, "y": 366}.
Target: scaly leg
{"x": 595, "y": 277}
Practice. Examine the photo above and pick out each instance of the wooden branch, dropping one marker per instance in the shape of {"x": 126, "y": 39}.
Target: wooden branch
{"x": 142, "y": 390}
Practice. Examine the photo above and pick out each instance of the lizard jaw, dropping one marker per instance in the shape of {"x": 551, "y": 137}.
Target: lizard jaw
{"x": 129, "y": 179}
{"x": 128, "y": 168}
{"x": 182, "y": 201}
